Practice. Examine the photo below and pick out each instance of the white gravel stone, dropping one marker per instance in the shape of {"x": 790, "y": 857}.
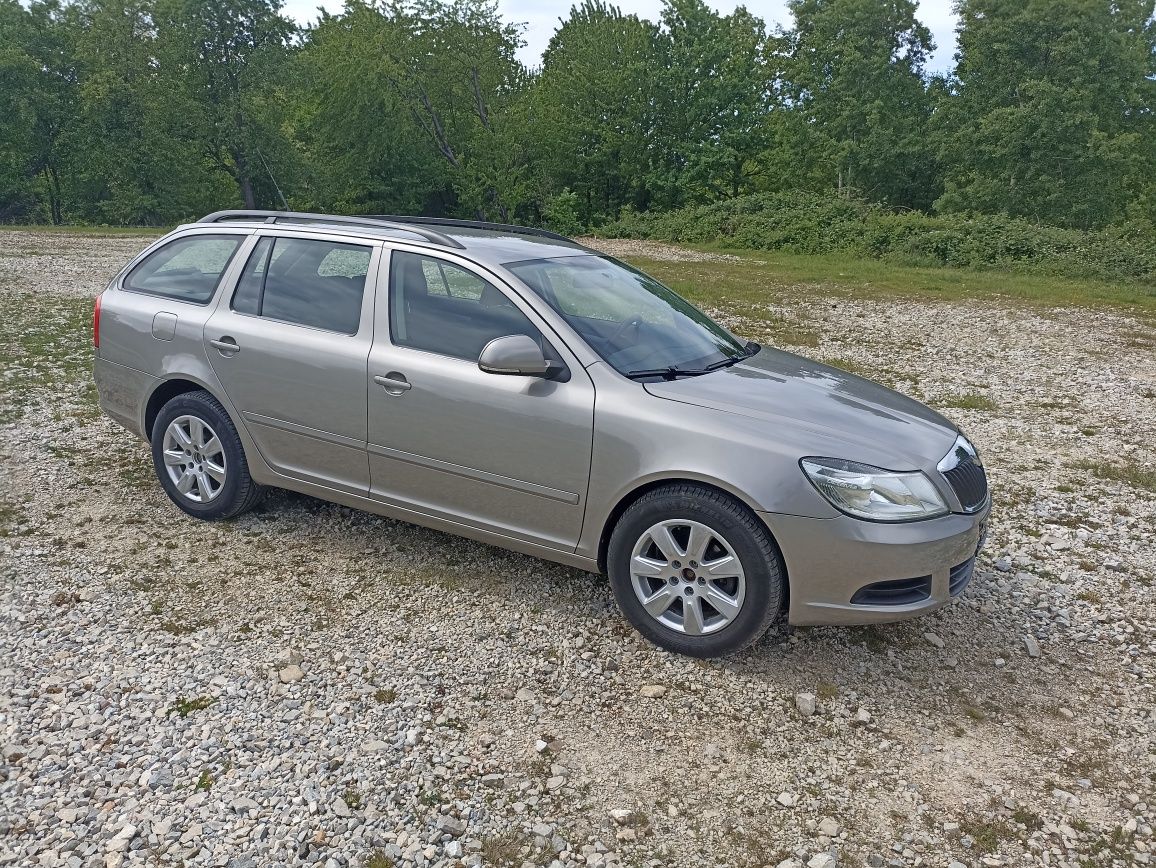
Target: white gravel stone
{"x": 830, "y": 827}
{"x": 805, "y": 703}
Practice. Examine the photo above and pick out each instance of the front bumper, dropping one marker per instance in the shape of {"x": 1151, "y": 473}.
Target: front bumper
{"x": 829, "y": 560}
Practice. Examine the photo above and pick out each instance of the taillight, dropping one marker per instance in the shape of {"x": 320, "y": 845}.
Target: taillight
{"x": 96, "y": 322}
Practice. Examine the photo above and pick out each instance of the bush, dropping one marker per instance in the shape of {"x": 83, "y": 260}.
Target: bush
{"x": 561, "y": 213}
{"x": 797, "y": 222}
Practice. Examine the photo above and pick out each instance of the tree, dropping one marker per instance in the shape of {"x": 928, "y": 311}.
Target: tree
{"x": 354, "y": 129}
{"x": 132, "y": 154}
{"x": 1049, "y": 112}
{"x": 459, "y": 75}
{"x": 853, "y": 102}
{"x": 595, "y": 108}
{"x": 37, "y": 94}
{"x": 711, "y": 98}
{"x": 231, "y": 54}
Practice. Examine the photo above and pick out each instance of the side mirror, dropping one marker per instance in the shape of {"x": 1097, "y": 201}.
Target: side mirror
{"x": 514, "y": 355}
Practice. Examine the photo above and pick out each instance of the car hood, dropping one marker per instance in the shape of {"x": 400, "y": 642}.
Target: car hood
{"x": 877, "y": 424}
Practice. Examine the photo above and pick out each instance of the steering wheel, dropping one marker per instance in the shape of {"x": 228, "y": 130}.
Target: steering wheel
{"x": 633, "y": 322}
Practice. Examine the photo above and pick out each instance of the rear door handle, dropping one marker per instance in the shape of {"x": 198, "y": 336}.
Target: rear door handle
{"x": 395, "y": 383}
{"x": 226, "y": 345}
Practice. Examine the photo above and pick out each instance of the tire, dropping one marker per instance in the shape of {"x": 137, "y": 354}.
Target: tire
{"x": 217, "y": 480}
{"x": 697, "y": 607}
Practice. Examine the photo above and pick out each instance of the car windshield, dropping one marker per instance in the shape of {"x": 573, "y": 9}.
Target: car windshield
{"x": 635, "y": 323}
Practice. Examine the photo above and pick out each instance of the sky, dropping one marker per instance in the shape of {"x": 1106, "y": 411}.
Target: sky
{"x": 541, "y": 19}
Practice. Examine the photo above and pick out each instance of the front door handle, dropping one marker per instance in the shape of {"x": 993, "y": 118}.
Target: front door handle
{"x": 394, "y": 383}
{"x": 226, "y": 345}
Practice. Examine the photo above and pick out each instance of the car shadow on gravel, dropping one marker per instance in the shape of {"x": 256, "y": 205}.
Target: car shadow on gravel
{"x": 397, "y": 554}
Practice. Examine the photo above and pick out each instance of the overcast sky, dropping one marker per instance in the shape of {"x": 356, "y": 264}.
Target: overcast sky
{"x": 541, "y": 19}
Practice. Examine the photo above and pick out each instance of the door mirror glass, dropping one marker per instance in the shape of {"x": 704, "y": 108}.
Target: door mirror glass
{"x": 514, "y": 355}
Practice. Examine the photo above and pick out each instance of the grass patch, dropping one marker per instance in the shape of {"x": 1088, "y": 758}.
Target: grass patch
{"x": 1137, "y": 477}
{"x": 385, "y": 694}
{"x": 353, "y": 798}
{"x": 47, "y": 342}
{"x": 185, "y": 707}
{"x": 987, "y": 834}
{"x": 968, "y": 401}
{"x": 1031, "y": 821}
{"x": 378, "y": 859}
{"x": 762, "y": 275}
{"x": 205, "y": 781}
{"x": 502, "y": 849}
{"x": 850, "y": 367}
{"x": 792, "y": 334}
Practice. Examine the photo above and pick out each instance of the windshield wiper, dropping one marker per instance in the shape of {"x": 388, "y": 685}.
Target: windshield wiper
{"x": 673, "y": 371}
{"x": 669, "y": 373}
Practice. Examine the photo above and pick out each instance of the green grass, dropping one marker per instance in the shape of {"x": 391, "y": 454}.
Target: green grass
{"x": 969, "y": 401}
{"x": 185, "y": 707}
{"x": 45, "y": 342}
{"x": 761, "y": 277}
{"x": 1129, "y": 474}
{"x": 988, "y": 834}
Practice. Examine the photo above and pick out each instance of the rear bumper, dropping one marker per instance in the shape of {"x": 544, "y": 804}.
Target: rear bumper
{"x": 830, "y": 560}
{"x": 122, "y": 390}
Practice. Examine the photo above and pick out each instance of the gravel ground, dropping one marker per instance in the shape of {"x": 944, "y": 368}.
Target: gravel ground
{"x": 311, "y": 684}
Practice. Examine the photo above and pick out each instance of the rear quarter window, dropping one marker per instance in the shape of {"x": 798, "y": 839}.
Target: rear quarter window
{"x": 187, "y": 269}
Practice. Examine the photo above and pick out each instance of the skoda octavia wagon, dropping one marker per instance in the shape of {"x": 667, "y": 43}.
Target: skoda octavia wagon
{"x": 510, "y": 385}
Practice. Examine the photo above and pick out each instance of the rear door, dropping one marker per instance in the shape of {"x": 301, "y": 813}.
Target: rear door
{"x": 290, "y": 346}
{"x": 506, "y": 453}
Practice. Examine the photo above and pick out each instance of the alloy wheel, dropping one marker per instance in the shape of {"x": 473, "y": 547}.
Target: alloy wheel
{"x": 687, "y": 577}
{"x": 194, "y": 459}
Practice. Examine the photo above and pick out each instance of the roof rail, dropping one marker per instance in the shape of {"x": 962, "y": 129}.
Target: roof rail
{"x": 472, "y": 224}
{"x": 304, "y": 217}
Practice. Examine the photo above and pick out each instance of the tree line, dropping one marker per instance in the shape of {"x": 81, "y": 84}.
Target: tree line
{"x": 148, "y": 112}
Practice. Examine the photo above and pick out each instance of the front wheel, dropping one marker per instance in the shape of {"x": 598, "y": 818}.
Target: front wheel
{"x": 199, "y": 459}
{"x": 695, "y": 571}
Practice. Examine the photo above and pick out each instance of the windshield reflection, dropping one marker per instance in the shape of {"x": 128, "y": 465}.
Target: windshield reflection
{"x": 630, "y": 319}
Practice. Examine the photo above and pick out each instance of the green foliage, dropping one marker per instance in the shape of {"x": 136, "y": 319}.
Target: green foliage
{"x": 826, "y": 224}
{"x": 560, "y": 213}
{"x": 593, "y": 101}
{"x": 1049, "y": 113}
{"x": 153, "y": 111}
{"x": 852, "y": 71}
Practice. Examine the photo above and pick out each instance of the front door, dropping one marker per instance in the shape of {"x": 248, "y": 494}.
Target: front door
{"x": 290, "y": 348}
{"x": 508, "y": 454}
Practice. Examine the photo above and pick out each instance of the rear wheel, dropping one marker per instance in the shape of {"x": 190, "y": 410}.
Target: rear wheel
{"x": 695, "y": 571}
{"x": 199, "y": 459}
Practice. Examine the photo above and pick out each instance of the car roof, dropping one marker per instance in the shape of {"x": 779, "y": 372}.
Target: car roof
{"x": 490, "y": 243}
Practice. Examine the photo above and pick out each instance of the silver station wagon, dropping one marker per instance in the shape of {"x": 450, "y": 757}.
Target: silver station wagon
{"x": 510, "y": 385}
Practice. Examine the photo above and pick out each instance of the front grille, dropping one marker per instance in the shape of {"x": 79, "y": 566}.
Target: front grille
{"x": 969, "y": 482}
{"x": 960, "y": 576}
{"x": 897, "y": 592}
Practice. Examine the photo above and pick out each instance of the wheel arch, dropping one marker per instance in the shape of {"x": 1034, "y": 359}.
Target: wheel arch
{"x": 170, "y": 388}
{"x": 629, "y": 498}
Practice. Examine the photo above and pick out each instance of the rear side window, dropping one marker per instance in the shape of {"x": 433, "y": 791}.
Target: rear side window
{"x": 187, "y": 269}
{"x": 312, "y": 283}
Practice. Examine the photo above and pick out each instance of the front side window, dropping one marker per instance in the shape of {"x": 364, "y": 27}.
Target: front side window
{"x": 187, "y": 269}
{"x": 630, "y": 319}
{"x": 306, "y": 282}
{"x": 441, "y": 308}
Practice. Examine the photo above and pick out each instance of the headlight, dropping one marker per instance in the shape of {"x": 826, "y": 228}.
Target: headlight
{"x": 869, "y": 492}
